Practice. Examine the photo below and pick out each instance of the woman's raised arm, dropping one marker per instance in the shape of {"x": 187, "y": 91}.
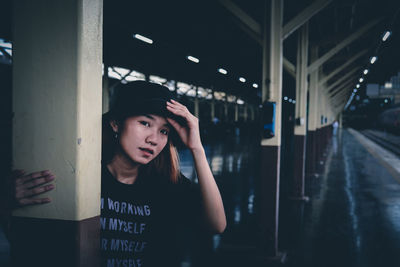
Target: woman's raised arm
{"x": 190, "y": 136}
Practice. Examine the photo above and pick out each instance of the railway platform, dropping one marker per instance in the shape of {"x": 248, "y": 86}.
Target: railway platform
{"x": 351, "y": 220}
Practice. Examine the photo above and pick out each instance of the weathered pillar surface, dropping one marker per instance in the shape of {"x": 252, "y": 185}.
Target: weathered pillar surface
{"x": 313, "y": 118}
{"x": 301, "y": 106}
{"x": 271, "y": 148}
{"x": 57, "y": 105}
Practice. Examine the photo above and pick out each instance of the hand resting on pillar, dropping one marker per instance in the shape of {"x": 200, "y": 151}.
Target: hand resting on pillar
{"x": 26, "y": 188}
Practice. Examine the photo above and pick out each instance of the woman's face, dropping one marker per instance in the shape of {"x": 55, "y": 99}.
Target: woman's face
{"x": 143, "y": 137}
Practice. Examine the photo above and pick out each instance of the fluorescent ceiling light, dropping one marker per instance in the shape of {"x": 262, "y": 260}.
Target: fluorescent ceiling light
{"x": 195, "y": 60}
{"x": 223, "y": 71}
{"x": 365, "y": 71}
{"x": 243, "y": 80}
{"x": 143, "y": 38}
{"x": 255, "y": 85}
{"x": 386, "y": 35}
{"x": 373, "y": 59}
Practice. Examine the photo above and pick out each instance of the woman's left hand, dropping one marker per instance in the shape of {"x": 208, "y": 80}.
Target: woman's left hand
{"x": 189, "y": 134}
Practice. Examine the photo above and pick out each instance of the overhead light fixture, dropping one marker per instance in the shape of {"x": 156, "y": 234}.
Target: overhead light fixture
{"x": 143, "y": 38}
{"x": 294, "y": 101}
{"x": 223, "y": 71}
{"x": 386, "y": 35}
{"x": 243, "y": 80}
{"x": 285, "y": 98}
{"x": 365, "y": 71}
{"x": 193, "y": 59}
{"x": 355, "y": 90}
{"x": 361, "y": 80}
{"x": 357, "y": 85}
{"x": 373, "y": 59}
{"x": 255, "y": 85}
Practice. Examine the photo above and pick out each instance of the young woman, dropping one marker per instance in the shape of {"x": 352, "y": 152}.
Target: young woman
{"x": 145, "y": 200}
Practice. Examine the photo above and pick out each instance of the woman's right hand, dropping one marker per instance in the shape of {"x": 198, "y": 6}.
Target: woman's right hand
{"x": 28, "y": 186}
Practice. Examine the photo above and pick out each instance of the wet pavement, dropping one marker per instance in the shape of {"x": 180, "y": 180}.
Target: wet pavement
{"x": 352, "y": 218}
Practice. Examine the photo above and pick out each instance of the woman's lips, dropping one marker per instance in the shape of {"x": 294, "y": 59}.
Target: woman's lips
{"x": 147, "y": 150}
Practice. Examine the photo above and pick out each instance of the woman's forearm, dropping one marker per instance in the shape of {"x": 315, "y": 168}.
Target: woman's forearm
{"x": 211, "y": 197}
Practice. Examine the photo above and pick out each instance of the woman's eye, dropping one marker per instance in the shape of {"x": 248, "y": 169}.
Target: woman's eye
{"x": 164, "y": 132}
{"x": 145, "y": 123}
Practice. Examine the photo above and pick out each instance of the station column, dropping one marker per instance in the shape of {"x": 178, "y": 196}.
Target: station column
{"x": 313, "y": 116}
{"x": 271, "y": 148}
{"x": 300, "y": 129}
{"x": 57, "y": 106}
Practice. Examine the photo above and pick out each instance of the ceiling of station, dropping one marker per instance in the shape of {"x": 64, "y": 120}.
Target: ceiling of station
{"x": 208, "y": 31}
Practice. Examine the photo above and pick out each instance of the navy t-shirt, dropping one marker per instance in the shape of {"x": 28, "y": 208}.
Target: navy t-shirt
{"x": 139, "y": 222}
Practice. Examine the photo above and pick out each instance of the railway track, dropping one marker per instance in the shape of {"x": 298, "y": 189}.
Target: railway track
{"x": 388, "y": 141}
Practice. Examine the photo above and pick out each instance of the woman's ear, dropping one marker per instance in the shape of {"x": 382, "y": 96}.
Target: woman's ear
{"x": 114, "y": 126}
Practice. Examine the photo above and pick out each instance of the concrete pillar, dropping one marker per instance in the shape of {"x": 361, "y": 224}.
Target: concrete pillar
{"x": 57, "y": 105}
{"x": 301, "y": 123}
{"x": 245, "y": 114}
{"x": 313, "y": 117}
{"x": 271, "y": 148}
{"x": 236, "y": 112}
{"x": 212, "y": 106}
{"x": 106, "y": 91}
{"x": 226, "y": 110}
{"x": 321, "y": 144}
{"x": 196, "y": 103}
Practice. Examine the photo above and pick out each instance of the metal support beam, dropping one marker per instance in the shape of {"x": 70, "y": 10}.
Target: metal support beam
{"x": 342, "y": 67}
{"x": 340, "y": 104}
{"x": 344, "y": 86}
{"x": 303, "y": 17}
{"x": 242, "y": 16}
{"x": 354, "y": 36}
{"x": 271, "y": 148}
{"x": 253, "y": 29}
{"x": 342, "y": 92}
{"x": 300, "y": 129}
{"x": 301, "y": 80}
{"x": 347, "y": 83}
{"x": 289, "y": 67}
{"x": 341, "y": 80}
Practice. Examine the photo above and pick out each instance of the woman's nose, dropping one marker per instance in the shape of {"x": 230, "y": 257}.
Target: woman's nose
{"x": 152, "y": 139}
